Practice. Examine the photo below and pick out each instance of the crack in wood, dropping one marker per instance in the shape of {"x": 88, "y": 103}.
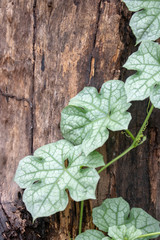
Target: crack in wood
{"x": 7, "y": 96}
{"x": 97, "y": 24}
{"x": 33, "y": 78}
{"x": 92, "y": 61}
{"x": 92, "y": 69}
{"x": 34, "y": 32}
{"x": 43, "y": 62}
{"x": 50, "y": 8}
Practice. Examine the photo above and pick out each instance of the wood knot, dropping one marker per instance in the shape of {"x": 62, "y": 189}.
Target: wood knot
{"x": 76, "y": 2}
{"x": 50, "y": 3}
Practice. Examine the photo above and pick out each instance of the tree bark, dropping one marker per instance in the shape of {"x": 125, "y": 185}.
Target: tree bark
{"x": 50, "y": 50}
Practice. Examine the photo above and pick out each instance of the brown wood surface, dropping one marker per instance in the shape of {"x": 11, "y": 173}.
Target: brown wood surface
{"x": 50, "y": 50}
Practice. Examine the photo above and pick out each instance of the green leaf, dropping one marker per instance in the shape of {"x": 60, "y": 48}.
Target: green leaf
{"x": 143, "y": 221}
{"x": 123, "y": 233}
{"x": 46, "y": 177}
{"x": 112, "y": 212}
{"x": 91, "y": 235}
{"x": 155, "y": 96}
{"x": 145, "y": 24}
{"x": 145, "y": 83}
{"x": 116, "y": 212}
{"x": 90, "y": 114}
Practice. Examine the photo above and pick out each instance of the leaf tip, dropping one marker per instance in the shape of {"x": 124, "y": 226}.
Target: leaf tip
{"x": 33, "y": 220}
{"x": 129, "y": 99}
{"x": 85, "y": 150}
{"x": 138, "y": 41}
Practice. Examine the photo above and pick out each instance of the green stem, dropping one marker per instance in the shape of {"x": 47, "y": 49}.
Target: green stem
{"x": 149, "y": 235}
{"x": 143, "y": 126}
{"x": 135, "y": 142}
{"x": 115, "y": 159}
{"x": 81, "y": 217}
{"x": 134, "y": 145}
{"x": 130, "y": 134}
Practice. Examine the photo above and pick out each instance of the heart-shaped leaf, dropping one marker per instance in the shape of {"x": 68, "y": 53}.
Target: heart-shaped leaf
{"x": 145, "y": 24}
{"x": 116, "y": 212}
{"x": 123, "y": 232}
{"x": 146, "y": 82}
{"x": 91, "y": 235}
{"x": 112, "y": 212}
{"x": 53, "y": 169}
{"x": 143, "y": 221}
{"x": 90, "y": 114}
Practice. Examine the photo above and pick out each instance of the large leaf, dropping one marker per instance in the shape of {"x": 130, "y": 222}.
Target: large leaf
{"x": 116, "y": 212}
{"x": 90, "y": 114}
{"x": 146, "y": 82}
{"x": 145, "y": 24}
{"x": 123, "y": 233}
{"x": 90, "y": 235}
{"x": 46, "y": 177}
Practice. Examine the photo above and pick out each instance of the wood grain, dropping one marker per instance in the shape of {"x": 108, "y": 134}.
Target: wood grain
{"x": 50, "y": 50}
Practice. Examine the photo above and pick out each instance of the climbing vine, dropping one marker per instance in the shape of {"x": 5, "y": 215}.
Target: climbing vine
{"x": 85, "y": 124}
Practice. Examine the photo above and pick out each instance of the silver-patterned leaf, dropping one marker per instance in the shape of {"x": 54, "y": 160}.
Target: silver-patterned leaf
{"x": 91, "y": 235}
{"x": 53, "y": 169}
{"x": 123, "y": 232}
{"x": 143, "y": 221}
{"x": 116, "y": 212}
{"x": 112, "y": 212}
{"x": 143, "y": 84}
{"x": 90, "y": 114}
{"x": 145, "y": 23}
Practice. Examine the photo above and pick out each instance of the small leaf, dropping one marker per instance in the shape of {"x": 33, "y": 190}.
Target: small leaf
{"x": 143, "y": 221}
{"x": 123, "y": 233}
{"x": 90, "y": 114}
{"x": 46, "y": 177}
{"x": 141, "y": 85}
{"x": 145, "y": 24}
{"x": 112, "y": 212}
{"x": 91, "y": 235}
{"x": 116, "y": 212}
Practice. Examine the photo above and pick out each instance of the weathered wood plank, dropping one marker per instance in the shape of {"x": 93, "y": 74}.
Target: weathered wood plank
{"x": 50, "y": 50}
{"x": 16, "y": 73}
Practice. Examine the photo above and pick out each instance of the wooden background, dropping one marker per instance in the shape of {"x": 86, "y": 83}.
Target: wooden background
{"x": 50, "y": 50}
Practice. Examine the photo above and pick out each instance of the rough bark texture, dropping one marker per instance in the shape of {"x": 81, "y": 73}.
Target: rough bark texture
{"x": 50, "y": 50}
